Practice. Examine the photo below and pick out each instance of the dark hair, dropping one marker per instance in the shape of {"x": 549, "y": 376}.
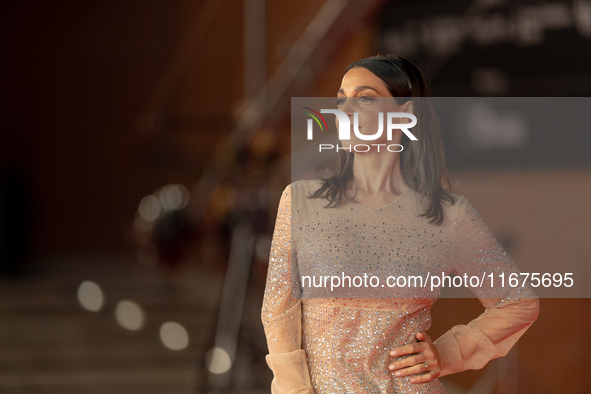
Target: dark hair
{"x": 423, "y": 161}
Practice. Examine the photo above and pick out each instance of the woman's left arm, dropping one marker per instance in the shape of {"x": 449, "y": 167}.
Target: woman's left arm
{"x": 510, "y": 311}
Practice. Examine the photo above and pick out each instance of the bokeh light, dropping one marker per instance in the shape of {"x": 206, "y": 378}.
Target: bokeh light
{"x": 174, "y": 336}
{"x": 150, "y": 208}
{"x": 218, "y": 361}
{"x": 173, "y": 197}
{"x": 129, "y": 315}
{"x": 90, "y": 296}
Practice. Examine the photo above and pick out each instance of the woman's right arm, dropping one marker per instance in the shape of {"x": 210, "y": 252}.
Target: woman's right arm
{"x": 281, "y": 312}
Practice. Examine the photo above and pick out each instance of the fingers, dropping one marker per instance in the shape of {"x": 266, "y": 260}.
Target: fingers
{"x": 407, "y": 363}
{"x": 408, "y": 349}
{"x": 427, "y": 356}
{"x": 422, "y": 336}
{"x": 423, "y": 360}
{"x": 416, "y": 368}
{"x": 428, "y": 370}
{"x": 424, "y": 378}
{"x": 413, "y": 347}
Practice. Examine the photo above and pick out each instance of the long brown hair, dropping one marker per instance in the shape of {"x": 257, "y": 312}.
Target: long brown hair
{"x": 422, "y": 162}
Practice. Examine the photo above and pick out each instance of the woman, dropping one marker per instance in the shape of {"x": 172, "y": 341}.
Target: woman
{"x": 383, "y": 213}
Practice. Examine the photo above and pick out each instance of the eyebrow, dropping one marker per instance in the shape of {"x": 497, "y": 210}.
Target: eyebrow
{"x": 357, "y": 89}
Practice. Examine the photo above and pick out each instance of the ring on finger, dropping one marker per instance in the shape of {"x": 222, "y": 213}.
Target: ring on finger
{"x": 426, "y": 366}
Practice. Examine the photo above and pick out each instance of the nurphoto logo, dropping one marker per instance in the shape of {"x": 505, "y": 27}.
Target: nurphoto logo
{"x": 344, "y": 129}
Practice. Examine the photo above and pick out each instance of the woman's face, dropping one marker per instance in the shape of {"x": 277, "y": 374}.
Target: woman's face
{"x": 359, "y": 92}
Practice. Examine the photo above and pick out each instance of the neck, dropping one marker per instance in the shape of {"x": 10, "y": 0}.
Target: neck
{"x": 378, "y": 172}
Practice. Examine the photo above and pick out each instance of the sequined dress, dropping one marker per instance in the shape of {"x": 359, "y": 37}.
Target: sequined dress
{"x": 323, "y": 344}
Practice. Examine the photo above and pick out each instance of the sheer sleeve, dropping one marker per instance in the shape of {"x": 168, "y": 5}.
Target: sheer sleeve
{"x": 509, "y": 311}
{"x": 281, "y": 312}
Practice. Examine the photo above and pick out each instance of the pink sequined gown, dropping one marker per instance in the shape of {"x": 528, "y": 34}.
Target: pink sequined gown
{"x": 328, "y": 345}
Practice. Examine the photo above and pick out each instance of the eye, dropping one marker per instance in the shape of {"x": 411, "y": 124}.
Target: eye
{"x": 340, "y": 101}
{"x": 365, "y": 100}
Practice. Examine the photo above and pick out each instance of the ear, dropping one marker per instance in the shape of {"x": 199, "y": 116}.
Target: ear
{"x": 408, "y": 107}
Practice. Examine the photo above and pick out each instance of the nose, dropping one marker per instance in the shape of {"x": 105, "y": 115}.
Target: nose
{"x": 347, "y": 107}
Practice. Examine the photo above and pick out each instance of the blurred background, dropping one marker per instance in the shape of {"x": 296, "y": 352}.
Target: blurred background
{"x": 144, "y": 146}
